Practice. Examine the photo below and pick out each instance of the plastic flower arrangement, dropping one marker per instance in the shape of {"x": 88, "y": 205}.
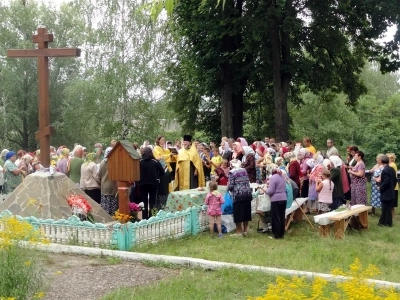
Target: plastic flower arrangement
{"x": 80, "y": 207}
{"x": 354, "y": 287}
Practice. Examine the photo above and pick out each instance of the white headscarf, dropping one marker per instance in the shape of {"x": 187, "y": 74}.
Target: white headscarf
{"x": 247, "y": 150}
{"x": 317, "y": 162}
{"x": 108, "y": 150}
{"x": 337, "y": 162}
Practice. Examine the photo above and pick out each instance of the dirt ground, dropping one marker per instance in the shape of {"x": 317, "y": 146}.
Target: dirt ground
{"x": 82, "y": 277}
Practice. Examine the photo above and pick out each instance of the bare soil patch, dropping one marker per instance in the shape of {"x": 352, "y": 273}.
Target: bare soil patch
{"x": 82, "y": 277}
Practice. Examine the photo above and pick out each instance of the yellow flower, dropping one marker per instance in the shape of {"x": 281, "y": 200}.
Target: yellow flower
{"x": 39, "y": 295}
{"x": 27, "y": 263}
{"x": 32, "y": 201}
{"x": 58, "y": 273}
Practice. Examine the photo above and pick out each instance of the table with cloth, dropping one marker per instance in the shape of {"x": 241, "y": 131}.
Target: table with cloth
{"x": 181, "y": 200}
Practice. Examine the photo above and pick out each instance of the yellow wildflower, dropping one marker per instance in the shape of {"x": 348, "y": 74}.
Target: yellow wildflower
{"x": 39, "y": 295}
{"x": 27, "y": 263}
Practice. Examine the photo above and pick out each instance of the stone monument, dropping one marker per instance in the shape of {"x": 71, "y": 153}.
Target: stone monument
{"x": 44, "y": 195}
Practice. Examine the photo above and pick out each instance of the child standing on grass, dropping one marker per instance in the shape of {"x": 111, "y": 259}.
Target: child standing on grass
{"x": 325, "y": 189}
{"x": 214, "y": 200}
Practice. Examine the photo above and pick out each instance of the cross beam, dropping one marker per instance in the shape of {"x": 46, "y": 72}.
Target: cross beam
{"x": 42, "y": 38}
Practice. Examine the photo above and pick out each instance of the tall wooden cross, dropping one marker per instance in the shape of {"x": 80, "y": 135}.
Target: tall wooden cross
{"x": 42, "y": 38}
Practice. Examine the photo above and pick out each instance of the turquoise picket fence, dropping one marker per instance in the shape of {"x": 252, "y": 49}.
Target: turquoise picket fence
{"x": 114, "y": 235}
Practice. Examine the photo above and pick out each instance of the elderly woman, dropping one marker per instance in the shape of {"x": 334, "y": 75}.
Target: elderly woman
{"x": 62, "y": 163}
{"x": 358, "y": 186}
{"x": 376, "y": 171}
{"x": 294, "y": 171}
{"x": 316, "y": 172}
{"x": 36, "y": 164}
{"x": 336, "y": 177}
{"x": 12, "y": 174}
{"x": 90, "y": 181}
{"x": 239, "y": 187}
{"x": 303, "y": 156}
{"x": 249, "y": 163}
{"x": 108, "y": 188}
{"x": 25, "y": 165}
{"x": 277, "y": 193}
{"x": 237, "y": 151}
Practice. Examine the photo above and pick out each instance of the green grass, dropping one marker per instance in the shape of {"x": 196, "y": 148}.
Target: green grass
{"x": 196, "y": 284}
{"x": 301, "y": 249}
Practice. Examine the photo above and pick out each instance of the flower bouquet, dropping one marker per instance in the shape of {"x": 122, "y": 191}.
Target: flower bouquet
{"x": 80, "y": 207}
{"x": 133, "y": 213}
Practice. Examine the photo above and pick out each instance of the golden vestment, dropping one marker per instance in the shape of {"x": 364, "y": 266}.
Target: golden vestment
{"x": 182, "y": 172}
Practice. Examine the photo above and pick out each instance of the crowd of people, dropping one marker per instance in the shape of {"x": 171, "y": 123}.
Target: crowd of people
{"x": 326, "y": 178}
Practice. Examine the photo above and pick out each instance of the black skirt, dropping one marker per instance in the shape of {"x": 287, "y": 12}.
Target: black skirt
{"x": 241, "y": 211}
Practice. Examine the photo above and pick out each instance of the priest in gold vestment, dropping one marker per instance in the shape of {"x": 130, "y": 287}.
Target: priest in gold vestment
{"x": 189, "y": 168}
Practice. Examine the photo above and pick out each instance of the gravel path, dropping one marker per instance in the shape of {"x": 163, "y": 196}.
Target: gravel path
{"x": 81, "y": 277}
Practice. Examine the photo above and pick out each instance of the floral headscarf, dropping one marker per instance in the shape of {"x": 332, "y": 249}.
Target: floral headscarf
{"x": 64, "y": 152}
{"x": 90, "y": 157}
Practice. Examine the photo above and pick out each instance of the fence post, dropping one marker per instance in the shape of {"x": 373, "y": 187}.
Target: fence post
{"x": 119, "y": 236}
{"x": 195, "y": 221}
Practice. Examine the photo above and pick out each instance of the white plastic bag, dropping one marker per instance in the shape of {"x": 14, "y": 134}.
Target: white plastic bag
{"x": 227, "y": 220}
{"x": 264, "y": 203}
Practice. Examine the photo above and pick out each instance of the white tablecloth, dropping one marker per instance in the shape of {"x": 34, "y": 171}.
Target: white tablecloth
{"x": 323, "y": 219}
{"x": 295, "y": 205}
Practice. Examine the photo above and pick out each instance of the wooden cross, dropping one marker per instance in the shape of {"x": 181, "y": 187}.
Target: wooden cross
{"x": 42, "y": 38}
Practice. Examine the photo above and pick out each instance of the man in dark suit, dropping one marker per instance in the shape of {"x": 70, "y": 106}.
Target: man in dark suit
{"x": 386, "y": 187}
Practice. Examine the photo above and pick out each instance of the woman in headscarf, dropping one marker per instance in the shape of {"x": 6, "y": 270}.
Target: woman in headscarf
{"x": 239, "y": 187}
{"x": 277, "y": 192}
{"x": 336, "y": 177}
{"x": 36, "y": 164}
{"x": 12, "y": 174}
{"x": 249, "y": 163}
{"x": 90, "y": 181}
{"x": 25, "y": 165}
{"x": 109, "y": 188}
{"x": 226, "y": 151}
{"x": 293, "y": 169}
{"x": 242, "y": 141}
{"x": 237, "y": 151}
{"x": 62, "y": 164}
{"x": 305, "y": 169}
{"x": 316, "y": 172}
{"x": 260, "y": 152}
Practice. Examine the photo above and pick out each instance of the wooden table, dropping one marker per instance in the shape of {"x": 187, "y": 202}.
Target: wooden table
{"x": 357, "y": 217}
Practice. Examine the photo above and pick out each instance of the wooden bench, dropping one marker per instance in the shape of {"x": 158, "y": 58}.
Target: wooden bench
{"x": 357, "y": 217}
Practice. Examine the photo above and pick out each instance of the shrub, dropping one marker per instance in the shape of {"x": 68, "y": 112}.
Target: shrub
{"x": 21, "y": 272}
{"x": 355, "y": 287}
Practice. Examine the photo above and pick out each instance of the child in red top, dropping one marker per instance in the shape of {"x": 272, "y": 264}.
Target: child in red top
{"x": 214, "y": 200}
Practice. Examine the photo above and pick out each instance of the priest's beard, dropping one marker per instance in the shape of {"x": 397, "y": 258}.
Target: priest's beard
{"x": 188, "y": 147}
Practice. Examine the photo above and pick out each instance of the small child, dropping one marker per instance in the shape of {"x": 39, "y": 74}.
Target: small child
{"x": 325, "y": 188}
{"x": 216, "y": 160}
{"x": 214, "y": 200}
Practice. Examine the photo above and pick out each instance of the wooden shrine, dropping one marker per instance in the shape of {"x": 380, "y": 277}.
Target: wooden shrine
{"x": 124, "y": 167}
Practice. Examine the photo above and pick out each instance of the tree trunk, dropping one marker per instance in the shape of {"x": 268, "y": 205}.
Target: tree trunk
{"x": 226, "y": 103}
{"x": 237, "y": 117}
{"x": 280, "y": 52}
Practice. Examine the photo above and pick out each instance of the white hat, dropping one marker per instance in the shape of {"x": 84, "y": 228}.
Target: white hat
{"x": 235, "y": 163}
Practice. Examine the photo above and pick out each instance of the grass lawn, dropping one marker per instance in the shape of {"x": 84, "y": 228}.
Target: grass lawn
{"x": 301, "y": 249}
{"x": 199, "y": 284}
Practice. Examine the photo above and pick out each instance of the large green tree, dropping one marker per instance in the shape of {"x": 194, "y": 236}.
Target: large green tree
{"x": 18, "y": 77}
{"x": 316, "y": 45}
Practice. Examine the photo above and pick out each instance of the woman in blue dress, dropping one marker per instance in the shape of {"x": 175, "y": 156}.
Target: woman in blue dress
{"x": 375, "y": 194}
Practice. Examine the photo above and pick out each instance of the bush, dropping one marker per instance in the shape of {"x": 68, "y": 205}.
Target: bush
{"x": 21, "y": 271}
